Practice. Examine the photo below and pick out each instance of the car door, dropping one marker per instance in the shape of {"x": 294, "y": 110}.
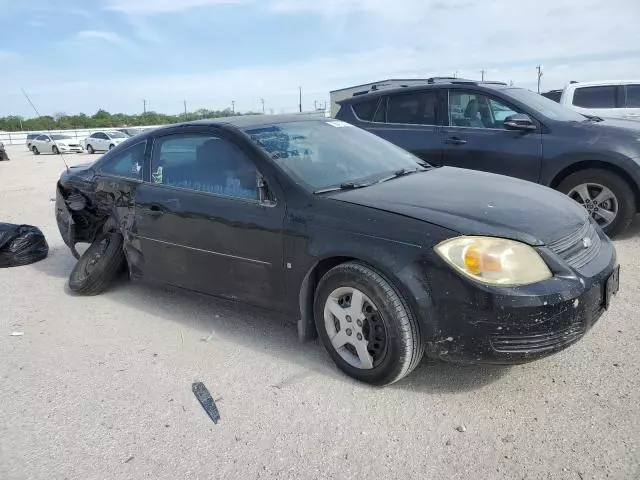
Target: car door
{"x": 43, "y": 143}
{"x": 411, "y": 121}
{"x": 475, "y": 137}
{"x": 103, "y": 141}
{"x": 632, "y": 101}
{"x": 201, "y": 223}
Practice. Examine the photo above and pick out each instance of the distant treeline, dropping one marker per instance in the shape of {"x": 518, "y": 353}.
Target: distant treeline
{"x": 104, "y": 119}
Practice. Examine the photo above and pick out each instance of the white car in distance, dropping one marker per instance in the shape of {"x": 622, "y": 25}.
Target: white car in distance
{"x": 55, "y": 144}
{"x": 612, "y": 99}
{"x": 103, "y": 141}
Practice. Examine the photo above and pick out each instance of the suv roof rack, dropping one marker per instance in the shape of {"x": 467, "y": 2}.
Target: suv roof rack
{"x": 429, "y": 81}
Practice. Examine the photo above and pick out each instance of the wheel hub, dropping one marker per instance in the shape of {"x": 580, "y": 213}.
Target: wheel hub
{"x": 361, "y": 343}
{"x": 598, "y": 200}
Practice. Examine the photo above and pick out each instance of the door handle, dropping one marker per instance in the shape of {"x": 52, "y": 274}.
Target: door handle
{"x": 156, "y": 210}
{"x": 455, "y": 141}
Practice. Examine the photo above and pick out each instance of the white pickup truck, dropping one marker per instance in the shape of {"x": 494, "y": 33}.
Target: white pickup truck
{"x": 612, "y": 99}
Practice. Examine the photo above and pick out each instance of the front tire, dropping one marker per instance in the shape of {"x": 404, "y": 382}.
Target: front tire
{"x": 55, "y": 150}
{"x": 366, "y": 325}
{"x": 607, "y": 197}
{"x": 35, "y": 150}
{"x": 90, "y": 149}
{"x": 98, "y": 266}
{"x": 111, "y": 146}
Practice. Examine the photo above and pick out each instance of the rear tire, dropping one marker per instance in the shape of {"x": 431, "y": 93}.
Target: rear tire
{"x": 381, "y": 325}
{"x": 35, "y": 151}
{"x": 90, "y": 149}
{"x": 624, "y": 198}
{"x": 98, "y": 266}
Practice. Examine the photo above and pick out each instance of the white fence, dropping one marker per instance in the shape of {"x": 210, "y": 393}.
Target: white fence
{"x": 20, "y": 138}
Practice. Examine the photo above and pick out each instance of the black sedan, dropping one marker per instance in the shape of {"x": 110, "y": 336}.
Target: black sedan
{"x": 382, "y": 255}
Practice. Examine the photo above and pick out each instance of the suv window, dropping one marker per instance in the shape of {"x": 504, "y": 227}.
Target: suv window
{"x": 633, "y": 96}
{"x": 365, "y": 110}
{"x": 469, "y": 109}
{"x": 204, "y": 163}
{"x": 413, "y": 108}
{"x": 127, "y": 163}
{"x": 595, "y": 97}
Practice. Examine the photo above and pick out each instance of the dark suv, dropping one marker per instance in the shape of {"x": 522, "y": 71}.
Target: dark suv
{"x": 511, "y": 131}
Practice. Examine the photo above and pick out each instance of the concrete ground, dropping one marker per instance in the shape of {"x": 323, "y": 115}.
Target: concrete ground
{"x": 100, "y": 387}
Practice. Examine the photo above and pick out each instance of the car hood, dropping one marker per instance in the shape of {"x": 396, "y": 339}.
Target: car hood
{"x": 632, "y": 126}
{"x": 475, "y": 203}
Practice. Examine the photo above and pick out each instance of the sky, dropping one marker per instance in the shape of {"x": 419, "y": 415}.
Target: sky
{"x": 82, "y": 55}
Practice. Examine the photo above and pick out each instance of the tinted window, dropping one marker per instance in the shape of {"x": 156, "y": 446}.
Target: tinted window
{"x": 633, "y": 96}
{"x": 365, "y": 110}
{"x": 127, "y": 163}
{"x": 468, "y": 109}
{"x": 326, "y": 154}
{"x": 413, "y": 108}
{"x": 102, "y": 136}
{"x": 204, "y": 163}
{"x": 595, "y": 97}
{"x": 43, "y": 138}
{"x": 554, "y": 95}
{"x": 381, "y": 112}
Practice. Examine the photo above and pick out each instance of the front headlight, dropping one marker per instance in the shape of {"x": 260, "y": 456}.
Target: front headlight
{"x": 496, "y": 261}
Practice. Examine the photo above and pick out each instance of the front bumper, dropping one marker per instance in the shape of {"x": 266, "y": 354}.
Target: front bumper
{"x": 481, "y": 324}
{"x": 70, "y": 149}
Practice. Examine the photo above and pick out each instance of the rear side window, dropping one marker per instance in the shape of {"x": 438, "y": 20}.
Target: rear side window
{"x": 633, "y": 96}
{"x": 365, "y": 110}
{"x": 595, "y": 97}
{"x": 127, "y": 163}
{"x": 413, "y": 108}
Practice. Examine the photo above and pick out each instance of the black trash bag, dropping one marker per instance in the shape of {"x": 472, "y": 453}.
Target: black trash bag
{"x": 21, "y": 245}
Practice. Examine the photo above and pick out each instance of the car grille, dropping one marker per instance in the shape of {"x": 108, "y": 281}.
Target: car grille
{"x": 579, "y": 248}
{"x": 538, "y": 342}
{"x": 74, "y": 145}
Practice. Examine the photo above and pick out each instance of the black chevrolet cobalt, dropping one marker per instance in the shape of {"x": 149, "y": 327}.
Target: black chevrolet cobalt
{"x": 381, "y": 255}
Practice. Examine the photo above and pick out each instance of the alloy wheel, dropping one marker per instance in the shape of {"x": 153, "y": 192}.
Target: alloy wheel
{"x": 355, "y": 328}
{"x": 600, "y": 202}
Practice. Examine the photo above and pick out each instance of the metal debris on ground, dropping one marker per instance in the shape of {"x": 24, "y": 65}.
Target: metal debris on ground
{"x": 16, "y": 334}
{"x": 206, "y": 400}
{"x": 461, "y": 428}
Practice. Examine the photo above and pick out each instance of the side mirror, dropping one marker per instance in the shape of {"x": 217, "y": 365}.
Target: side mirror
{"x": 519, "y": 121}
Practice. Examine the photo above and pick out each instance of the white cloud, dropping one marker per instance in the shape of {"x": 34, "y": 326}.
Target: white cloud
{"x": 110, "y": 37}
{"x": 162, "y": 6}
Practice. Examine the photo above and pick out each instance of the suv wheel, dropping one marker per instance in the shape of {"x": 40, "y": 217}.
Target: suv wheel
{"x": 365, "y": 325}
{"x": 606, "y": 196}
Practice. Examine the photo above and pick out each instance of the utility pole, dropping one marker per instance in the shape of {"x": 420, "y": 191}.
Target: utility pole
{"x": 539, "y": 69}
{"x": 144, "y": 106}
{"x": 262, "y": 102}
{"x": 300, "y": 102}
{"x": 185, "y": 108}
{"x": 455, "y": 74}
{"x": 483, "y": 72}
{"x": 233, "y": 106}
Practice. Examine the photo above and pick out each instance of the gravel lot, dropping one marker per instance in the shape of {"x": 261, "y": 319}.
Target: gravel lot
{"x": 100, "y": 388}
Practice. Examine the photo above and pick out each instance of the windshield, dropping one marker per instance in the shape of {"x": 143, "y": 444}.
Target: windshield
{"x": 544, "y": 106}
{"x": 61, "y": 137}
{"x": 329, "y": 154}
{"x": 117, "y": 135}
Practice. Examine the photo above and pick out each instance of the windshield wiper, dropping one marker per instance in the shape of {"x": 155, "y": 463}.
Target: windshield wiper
{"x": 343, "y": 186}
{"x": 401, "y": 173}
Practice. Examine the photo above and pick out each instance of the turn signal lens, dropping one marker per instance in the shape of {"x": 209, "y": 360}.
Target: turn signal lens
{"x": 495, "y": 261}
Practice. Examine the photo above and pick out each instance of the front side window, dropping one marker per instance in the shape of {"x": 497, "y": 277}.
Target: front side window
{"x": 595, "y": 97}
{"x": 413, "y": 108}
{"x": 43, "y": 138}
{"x": 325, "y": 154}
{"x": 633, "y": 96}
{"x": 470, "y": 109}
{"x": 128, "y": 163}
{"x": 204, "y": 163}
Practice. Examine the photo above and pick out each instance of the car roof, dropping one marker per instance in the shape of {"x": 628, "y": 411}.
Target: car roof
{"x": 243, "y": 121}
{"x": 418, "y": 88}
{"x": 603, "y": 83}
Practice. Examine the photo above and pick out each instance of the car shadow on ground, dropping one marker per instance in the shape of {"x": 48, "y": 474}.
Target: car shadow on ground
{"x": 631, "y": 232}
{"x": 262, "y": 330}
